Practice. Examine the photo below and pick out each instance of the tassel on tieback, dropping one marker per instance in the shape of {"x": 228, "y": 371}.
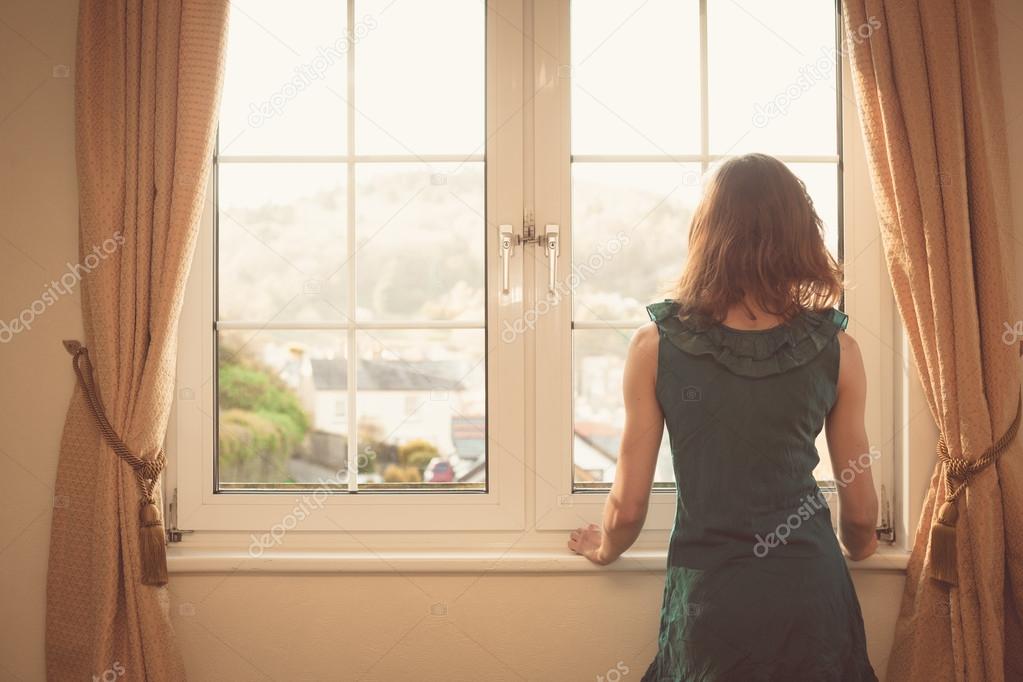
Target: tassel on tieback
{"x": 942, "y": 565}
{"x": 152, "y": 545}
{"x": 152, "y": 538}
{"x": 943, "y": 545}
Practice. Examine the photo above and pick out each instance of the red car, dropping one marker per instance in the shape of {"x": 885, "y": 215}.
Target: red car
{"x": 439, "y": 470}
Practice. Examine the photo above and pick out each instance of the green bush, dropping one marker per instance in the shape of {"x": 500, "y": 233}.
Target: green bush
{"x": 395, "y": 473}
{"x": 417, "y": 454}
{"x": 253, "y": 447}
{"x": 256, "y": 389}
{"x": 262, "y": 422}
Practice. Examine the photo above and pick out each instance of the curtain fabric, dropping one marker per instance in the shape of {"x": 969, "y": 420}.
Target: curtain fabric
{"x": 148, "y": 78}
{"x": 927, "y": 82}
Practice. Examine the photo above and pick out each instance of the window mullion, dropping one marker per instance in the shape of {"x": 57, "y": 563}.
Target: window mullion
{"x": 704, "y": 98}
{"x": 352, "y": 359}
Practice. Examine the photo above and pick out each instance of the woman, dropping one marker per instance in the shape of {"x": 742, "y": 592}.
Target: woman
{"x": 745, "y": 366}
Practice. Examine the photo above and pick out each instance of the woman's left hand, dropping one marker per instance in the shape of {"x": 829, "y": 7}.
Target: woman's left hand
{"x": 586, "y": 542}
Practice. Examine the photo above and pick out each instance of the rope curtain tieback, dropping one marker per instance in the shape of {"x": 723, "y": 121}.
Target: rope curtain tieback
{"x": 152, "y": 538}
{"x": 943, "y": 533}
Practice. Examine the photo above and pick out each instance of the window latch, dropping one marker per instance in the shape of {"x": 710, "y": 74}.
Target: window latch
{"x": 550, "y": 240}
{"x": 550, "y": 243}
{"x": 505, "y": 245}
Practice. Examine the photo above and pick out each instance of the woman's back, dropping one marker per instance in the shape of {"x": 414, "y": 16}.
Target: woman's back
{"x": 757, "y": 587}
{"x": 743, "y": 410}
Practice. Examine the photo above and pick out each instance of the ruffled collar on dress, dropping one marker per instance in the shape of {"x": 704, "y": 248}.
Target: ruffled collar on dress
{"x": 756, "y": 353}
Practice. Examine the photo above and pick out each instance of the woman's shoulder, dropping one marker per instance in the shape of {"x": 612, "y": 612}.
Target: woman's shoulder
{"x": 847, "y": 342}
{"x": 646, "y": 335}
{"x": 851, "y": 362}
{"x": 642, "y": 360}
{"x": 645, "y": 340}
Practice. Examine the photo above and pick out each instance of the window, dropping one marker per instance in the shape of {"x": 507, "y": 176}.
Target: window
{"x": 338, "y": 334}
{"x": 421, "y": 247}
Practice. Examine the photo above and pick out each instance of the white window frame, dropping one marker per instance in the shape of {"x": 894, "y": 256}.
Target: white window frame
{"x": 196, "y": 506}
{"x": 530, "y": 478}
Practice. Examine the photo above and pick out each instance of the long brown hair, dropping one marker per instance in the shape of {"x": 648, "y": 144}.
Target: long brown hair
{"x": 755, "y": 235}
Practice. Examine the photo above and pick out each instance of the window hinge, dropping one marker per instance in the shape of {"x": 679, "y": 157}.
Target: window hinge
{"x": 173, "y": 532}
{"x": 886, "y": 531}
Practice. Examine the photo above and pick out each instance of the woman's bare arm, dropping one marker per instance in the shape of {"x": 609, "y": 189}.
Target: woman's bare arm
{"x": 626, "y": 506}
{"x": 850, "y": 455}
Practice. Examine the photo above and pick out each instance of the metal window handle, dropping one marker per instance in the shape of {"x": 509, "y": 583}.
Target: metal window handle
{"x": 550, "y": 244}
{"x": 504, "y": 246}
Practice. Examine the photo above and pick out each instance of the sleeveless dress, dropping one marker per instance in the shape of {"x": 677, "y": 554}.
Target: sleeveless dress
{"x": 756, "y": 586}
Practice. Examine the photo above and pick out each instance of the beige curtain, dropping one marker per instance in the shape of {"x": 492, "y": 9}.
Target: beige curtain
{"x": 927, "y": 82}
{"x": 147, "y": 86}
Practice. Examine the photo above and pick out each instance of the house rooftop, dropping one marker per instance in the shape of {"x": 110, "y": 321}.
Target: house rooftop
{"x": 385, "y": 375}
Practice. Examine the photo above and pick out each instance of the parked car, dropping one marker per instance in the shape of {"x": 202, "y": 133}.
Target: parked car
{"x": 439, "y": 470}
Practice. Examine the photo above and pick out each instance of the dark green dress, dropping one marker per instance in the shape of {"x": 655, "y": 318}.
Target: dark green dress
{"x": 757, "y": 587}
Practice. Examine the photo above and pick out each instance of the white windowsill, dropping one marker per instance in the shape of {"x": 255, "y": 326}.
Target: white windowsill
{"x": 195, "y": 560}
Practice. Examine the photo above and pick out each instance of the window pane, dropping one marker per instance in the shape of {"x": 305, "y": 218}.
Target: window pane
{"x": 599, "y": 416}
{"x": 822, "y": 183}
{"x": 421, "y": 232}
{"x": 778, "y": 96}
{"x": 419, "y": 83}
{"x": 635, "y": 77}
{"x": 823, "y": 472}
{"x": 278, "y": 424}
{"x": 282, "y": 249}
{"x": 281, "y": 242}
{"x": 422, "y": 407}
{"x": 285, "y": 79}
{"x": 631, "y": 226}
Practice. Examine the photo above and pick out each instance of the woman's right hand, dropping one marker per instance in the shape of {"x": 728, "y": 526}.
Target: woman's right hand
{"x": 586, "y": 541}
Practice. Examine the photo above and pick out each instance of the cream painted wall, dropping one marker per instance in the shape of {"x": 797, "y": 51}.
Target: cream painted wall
{"x": 244, "y": 627}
